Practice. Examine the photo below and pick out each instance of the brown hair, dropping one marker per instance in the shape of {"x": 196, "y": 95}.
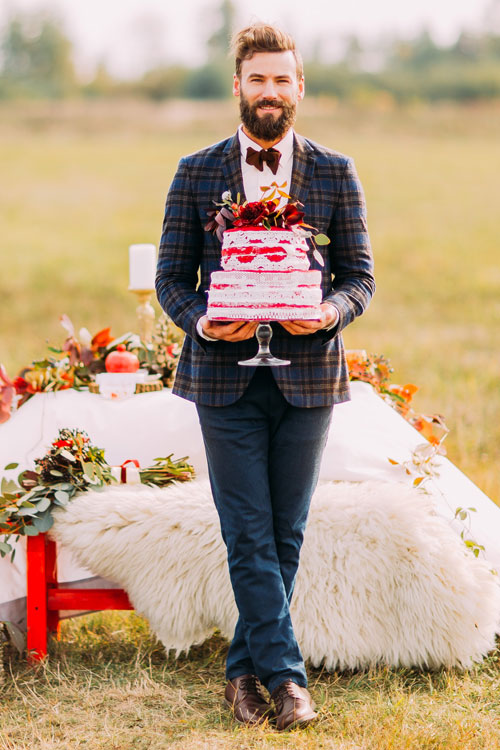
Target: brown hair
{"x": 261, "y": 37}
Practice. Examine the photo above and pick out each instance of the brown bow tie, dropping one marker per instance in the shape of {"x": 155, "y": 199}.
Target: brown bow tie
{"x": 269, "y": 155}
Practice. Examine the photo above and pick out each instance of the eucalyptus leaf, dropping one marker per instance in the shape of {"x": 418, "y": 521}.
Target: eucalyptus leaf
{"x": 44, "y": 522}
{"x": 30, "y": 531}
{"x": 26, "y": 511}
{"x": 4, "y": 548}
{"x": 56, "y": 473}
{"x": 88, "y": 469}
{"x": 43, "y": 504}
{"x": 321, "y": 239}
{"x": 61, "y": 497}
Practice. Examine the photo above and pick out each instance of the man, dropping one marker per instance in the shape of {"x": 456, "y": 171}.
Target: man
{"x": 264, "y": 428}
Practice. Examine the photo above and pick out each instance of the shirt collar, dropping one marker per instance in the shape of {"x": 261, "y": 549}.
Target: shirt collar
{"x": 285, "y": 146}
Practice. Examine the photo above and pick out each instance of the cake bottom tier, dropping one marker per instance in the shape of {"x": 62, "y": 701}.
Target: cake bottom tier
{"x": 265, "y": 296}
{"x": 263, "y": 313}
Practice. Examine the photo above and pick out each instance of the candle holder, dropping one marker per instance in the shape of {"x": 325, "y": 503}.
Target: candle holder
{"x": 145, "y": 314}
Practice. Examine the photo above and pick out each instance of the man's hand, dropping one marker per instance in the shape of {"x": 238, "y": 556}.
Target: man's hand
{"x": 238, "y": 330}
{"x": 329, "y": 315}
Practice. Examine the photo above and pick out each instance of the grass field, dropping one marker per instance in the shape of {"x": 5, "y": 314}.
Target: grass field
{"x": 84, "y": 182}
{"x": 109, "y": 686}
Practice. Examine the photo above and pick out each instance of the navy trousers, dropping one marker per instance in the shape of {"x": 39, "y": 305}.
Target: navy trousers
{"x": 263, "y": 458}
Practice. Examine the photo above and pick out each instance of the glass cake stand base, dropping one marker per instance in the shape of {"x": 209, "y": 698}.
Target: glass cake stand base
{"x": 264, "y": 358}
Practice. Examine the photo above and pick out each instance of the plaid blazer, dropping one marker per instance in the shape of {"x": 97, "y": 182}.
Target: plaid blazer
{"x": 327, "y": 184}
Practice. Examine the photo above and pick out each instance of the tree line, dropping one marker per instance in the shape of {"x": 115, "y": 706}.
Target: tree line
{"x": 36, "y": 61}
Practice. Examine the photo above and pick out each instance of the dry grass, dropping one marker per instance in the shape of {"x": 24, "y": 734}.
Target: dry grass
{"x": 108, "y": 684}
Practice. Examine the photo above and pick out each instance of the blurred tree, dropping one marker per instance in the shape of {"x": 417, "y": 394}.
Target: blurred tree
{"x": 36, "y": 58}
{"x": 353, "y": 54}
{"x": 165, "y": 83}
{"x": 218, "y": 41}
{"x": 209, "y": 82}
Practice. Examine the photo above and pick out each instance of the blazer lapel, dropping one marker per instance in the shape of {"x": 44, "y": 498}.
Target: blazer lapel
{"x": 231, "y": 167}
{"x": 303, "y": 169}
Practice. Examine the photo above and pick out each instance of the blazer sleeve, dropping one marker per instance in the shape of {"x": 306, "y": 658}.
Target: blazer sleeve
{"x": 350, "y": 253}
{"x": 179, "y": 256}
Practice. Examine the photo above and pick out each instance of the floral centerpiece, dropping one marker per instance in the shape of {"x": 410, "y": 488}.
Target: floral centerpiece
{"x": 72, "y": 464}
{"x": 82, "y": 356}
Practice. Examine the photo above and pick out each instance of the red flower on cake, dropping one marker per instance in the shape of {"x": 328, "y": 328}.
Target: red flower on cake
{"x": 251, "y": 213}
{"x": 291, "y": 215}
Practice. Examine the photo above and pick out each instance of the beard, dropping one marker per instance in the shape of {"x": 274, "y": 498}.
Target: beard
{"x": 267, "y": 128}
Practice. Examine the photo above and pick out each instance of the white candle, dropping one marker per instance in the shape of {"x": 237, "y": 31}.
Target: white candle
{"x": 142, "y": 266}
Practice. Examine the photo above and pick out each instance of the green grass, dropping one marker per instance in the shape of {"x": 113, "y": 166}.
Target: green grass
{"x": 108, "y": 684}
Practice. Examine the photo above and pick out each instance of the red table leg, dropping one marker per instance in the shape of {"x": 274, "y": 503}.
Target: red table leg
{"x": 45, "y": 598}
{"x": 53, "y": 624}
{"x": 36, "y": 599}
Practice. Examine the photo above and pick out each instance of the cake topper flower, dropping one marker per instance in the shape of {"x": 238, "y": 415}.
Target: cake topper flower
{"x": 264, "y": 213}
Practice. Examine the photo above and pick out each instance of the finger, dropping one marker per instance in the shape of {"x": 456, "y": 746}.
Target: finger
{"x": 246, "y": 331}
{"x": 221, "y": 330}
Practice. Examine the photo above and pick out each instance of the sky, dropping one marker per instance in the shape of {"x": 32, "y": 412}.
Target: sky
{"x": 130, "y": 36}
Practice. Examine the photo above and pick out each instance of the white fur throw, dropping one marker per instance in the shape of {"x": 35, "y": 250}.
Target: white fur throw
{"x": 382, "y": 579}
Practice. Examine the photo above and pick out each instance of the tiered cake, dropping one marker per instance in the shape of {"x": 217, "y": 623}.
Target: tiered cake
{"x": 266, "y": 276}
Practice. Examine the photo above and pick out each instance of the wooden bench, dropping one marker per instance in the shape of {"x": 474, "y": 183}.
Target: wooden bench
{"x": 46, "y": 598}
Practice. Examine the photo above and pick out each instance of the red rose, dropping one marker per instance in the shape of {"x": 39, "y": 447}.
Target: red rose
{"x": 291, "y": 215}
{"x": 252, "y": 213}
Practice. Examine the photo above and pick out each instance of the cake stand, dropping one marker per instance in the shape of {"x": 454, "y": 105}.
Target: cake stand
{"x": 264, "y": 358}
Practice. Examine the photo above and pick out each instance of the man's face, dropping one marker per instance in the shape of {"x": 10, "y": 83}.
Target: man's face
{"x": 269, "y": 91}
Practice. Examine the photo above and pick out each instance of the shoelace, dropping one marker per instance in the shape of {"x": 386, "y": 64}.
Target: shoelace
{"x": 251, "y": 684}
{"x": 285, "y": 690}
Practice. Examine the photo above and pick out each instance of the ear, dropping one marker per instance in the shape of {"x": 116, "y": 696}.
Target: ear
{"x": 236, "y": 85}
{"x": 302, "y": 88}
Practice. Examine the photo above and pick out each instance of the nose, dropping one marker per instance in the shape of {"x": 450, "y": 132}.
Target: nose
{"x": 269, "y": 89}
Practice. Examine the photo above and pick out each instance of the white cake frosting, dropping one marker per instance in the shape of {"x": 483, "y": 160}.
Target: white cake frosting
{"x": 266, "y": 276}
{"x": 267, "y": 250}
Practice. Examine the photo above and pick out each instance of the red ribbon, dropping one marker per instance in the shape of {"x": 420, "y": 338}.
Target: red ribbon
{"x": 123, "y": 467}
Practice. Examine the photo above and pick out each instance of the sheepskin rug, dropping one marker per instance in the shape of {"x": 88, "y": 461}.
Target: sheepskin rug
{"x": 382, "y": 578}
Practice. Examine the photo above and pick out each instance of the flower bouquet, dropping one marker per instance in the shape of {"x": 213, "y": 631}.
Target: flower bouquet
{"x": 72, "y": 464}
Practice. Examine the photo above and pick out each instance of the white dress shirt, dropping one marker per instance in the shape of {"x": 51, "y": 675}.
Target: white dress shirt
{"x": 254, "y": 180}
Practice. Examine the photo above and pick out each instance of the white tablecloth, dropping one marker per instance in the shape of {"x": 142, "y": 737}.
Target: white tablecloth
{"x": 365, "y": 433}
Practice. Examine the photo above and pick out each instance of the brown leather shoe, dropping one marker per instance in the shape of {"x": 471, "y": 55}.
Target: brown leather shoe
{"x": 294, "y": 706}
{"x": 245, "y": 698}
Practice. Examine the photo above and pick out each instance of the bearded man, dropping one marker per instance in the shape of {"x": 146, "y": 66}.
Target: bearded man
{"x": 264, "y": 428}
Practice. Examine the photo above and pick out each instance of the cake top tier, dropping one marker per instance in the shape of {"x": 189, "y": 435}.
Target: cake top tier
{"x": 253, "y": 248}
